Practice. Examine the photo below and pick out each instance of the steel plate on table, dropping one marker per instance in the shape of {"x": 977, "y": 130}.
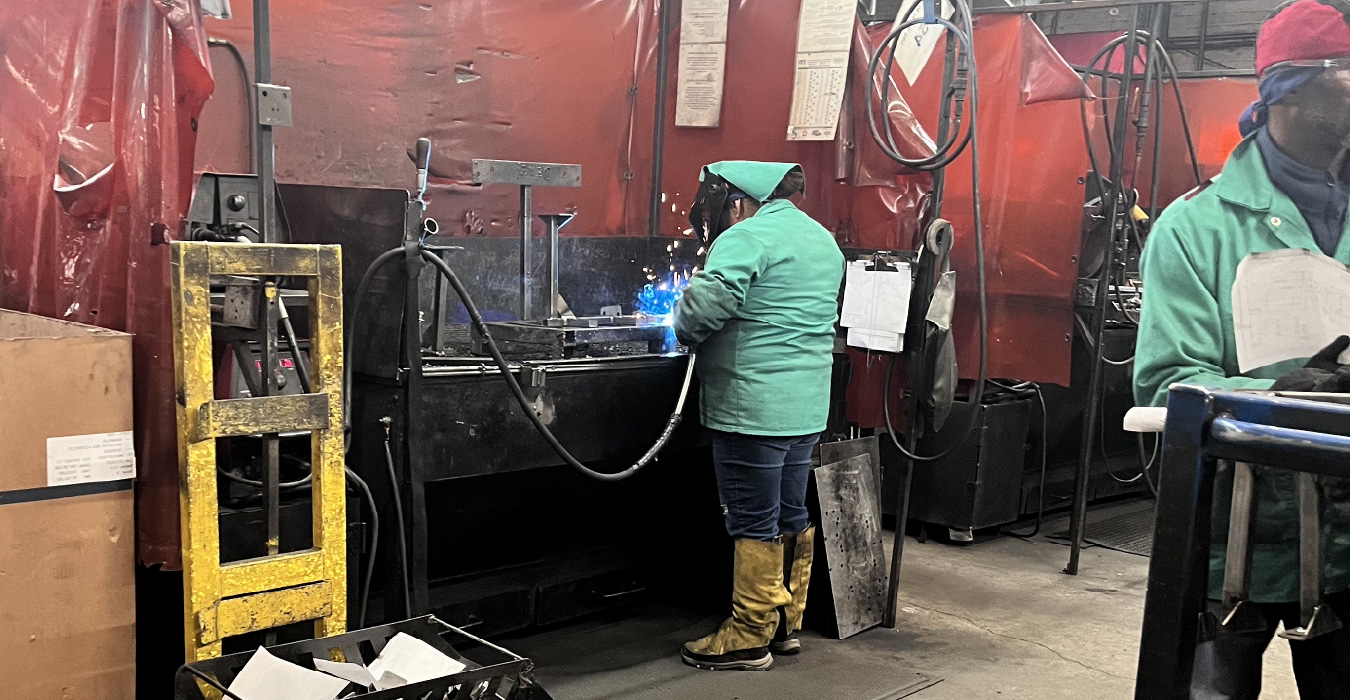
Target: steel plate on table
{"x": 850, "y": 528}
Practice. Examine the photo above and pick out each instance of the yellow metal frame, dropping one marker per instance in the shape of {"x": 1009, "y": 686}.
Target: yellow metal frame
{"x": 221, "y": 601}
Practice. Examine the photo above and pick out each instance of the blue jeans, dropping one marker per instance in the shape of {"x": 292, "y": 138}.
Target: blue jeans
{"x": 762, "y": 483}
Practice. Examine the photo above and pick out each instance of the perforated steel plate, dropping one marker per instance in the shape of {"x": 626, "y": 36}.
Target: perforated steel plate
{"x": 850, "y": 526}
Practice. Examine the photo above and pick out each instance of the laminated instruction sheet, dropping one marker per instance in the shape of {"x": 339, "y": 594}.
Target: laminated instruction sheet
{"x": 703, "y": 60}
{"x": 824, "y": 36}
{"x": 1288, "y": 304}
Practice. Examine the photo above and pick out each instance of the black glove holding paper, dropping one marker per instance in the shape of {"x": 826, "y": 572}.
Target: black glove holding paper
{"x": 1321, "y": 374}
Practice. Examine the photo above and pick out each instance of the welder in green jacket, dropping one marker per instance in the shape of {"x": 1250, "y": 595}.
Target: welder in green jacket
{"x": 1283, "y": 187}
{"x": 761, "y": 315}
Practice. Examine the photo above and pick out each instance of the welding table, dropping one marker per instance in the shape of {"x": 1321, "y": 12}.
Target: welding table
{"x": 499, "y": 534}
{"x": 1204, "y": 426}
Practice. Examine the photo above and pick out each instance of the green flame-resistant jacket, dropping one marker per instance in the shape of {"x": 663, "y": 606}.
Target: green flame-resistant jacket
{"x": 762, "y": 315}
{"x": 1186, "y": 336}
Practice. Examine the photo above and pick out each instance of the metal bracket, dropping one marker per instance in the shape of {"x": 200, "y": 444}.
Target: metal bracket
{"x": 240, "y": 308}
{"x": 534, "y": 375}
{"x": 1317, "y": 619}
{"x": 514, "y": 172}
{"x": 274, "y": 104}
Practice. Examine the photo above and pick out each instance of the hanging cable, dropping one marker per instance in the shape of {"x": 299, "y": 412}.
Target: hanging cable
{"x": 965, "y": 85}
{"x": 1044, "y": 450}
{"x": 248, "y": 92}
{"x": 1145, "y": 466}
{"x": 398, "y": 521}
{"x": 372, "y": 549}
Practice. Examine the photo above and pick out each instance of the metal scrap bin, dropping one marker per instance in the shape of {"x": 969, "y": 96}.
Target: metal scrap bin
{"x": 506, "y": 677}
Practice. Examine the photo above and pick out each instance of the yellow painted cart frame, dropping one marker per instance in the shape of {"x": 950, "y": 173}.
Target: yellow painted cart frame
{"x": 224, "y": 600}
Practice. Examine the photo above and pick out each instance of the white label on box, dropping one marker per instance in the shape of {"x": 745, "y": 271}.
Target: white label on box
{"x": 79, "y": 459}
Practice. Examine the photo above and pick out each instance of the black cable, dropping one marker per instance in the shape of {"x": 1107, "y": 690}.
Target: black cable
{"x": 1181, "y": 109}
{"x": 1155, "y": 179}
{"x": 212, "y": 682}
{"x": 258, "y": 484}
{"x": 1145, "y": 466}
{"x": 402, "y": 533}
{"x": 1167, "y": 61}
{"x": 1092, "y": 346}
{"x": 248, "y": 93}
{"x": 364, "y": 488}
{"x": 524, "y": 402}
{"x": 1040, "y": 491}
{"x": 947, "y": 152}
{"x": 349, "y": 344}
{"x": 971, "y": 79}
{"x": 1101, "y": 439}
{"x": 288, "y": 330}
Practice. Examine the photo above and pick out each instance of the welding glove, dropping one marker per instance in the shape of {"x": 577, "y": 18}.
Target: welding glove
{"x": 1322, "y": 373}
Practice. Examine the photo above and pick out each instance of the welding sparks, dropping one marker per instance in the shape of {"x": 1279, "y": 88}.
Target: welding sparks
{"x": 656, "y": 300}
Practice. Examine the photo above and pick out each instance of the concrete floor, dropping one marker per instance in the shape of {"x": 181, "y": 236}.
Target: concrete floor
{"x": 995, "y": 619}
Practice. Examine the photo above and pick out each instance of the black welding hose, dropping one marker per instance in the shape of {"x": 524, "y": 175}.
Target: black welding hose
{"x": 402, "y": 532}
{"x": 965, "y": 35}
{"x": 350, "y": 343}
{"x": 211, "y": 682}
{"x": 529, "y": 410}
{"x": 364, "y": 488}
{"x": 363, "y": 288}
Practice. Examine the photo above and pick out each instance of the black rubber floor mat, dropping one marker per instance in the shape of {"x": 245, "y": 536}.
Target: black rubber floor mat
{"x": 637, "y": 658}
{"x": 1131, "y": 533}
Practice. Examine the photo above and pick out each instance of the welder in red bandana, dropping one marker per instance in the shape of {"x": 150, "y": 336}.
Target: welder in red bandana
{"x": 1284, "y": 187}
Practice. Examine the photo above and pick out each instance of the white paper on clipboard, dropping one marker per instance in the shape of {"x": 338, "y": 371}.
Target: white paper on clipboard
{"x": 1288, "y": 304}
{"x": 876, "y": 306}
{"x": 824, "y": 37}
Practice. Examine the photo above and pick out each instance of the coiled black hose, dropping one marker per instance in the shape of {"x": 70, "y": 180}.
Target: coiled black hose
{"x": 945, "y": 154}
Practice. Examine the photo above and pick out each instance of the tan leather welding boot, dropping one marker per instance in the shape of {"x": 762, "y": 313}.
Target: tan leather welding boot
{"x": 742, "y": 642}
{"x": 798, "y": 552}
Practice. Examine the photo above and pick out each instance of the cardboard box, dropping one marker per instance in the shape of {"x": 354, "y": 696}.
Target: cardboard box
{"x": 67, "y": 553}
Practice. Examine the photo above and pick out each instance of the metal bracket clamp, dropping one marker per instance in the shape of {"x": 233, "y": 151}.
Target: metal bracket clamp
{"x": 1316, "y": 619}
{"x": 527, "y": 176}
{"x": 1240, "y": 616}
{"x": 274, "y": 104}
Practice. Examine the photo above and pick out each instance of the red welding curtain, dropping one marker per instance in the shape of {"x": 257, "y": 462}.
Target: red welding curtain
{"x": 1031, "y": 160}
{"x": 98, "y": 107}
{"x": 568, "y": 81}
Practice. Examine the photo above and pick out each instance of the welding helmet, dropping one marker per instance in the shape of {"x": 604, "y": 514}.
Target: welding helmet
{"x": 722, "y": 183}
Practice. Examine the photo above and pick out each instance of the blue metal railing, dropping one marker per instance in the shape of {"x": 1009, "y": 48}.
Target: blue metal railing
{"x": 1203, "y": 427}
